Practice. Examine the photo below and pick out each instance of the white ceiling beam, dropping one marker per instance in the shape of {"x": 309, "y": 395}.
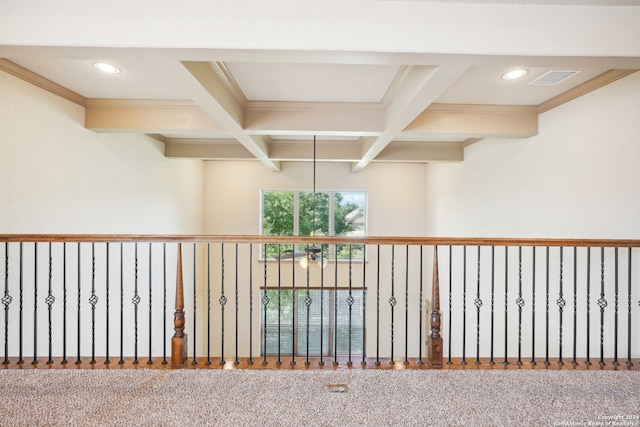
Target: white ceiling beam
{"x": 148, "y": 116}
{"x": 207, "y": 151}
{"x": 297, "y": 118}
{"x": 420, "y": 86}
{"x": 474, "y": 121}
{"x": 422, "y": 152}
{"x": 216, "y": 98}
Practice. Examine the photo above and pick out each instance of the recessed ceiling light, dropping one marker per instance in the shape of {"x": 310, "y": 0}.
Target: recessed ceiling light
{"x": 514, "y": 74}
{"x": 106, "y": 68}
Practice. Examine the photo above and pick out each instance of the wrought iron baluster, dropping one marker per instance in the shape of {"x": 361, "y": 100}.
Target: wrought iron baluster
{"x": 335, "y": 309}
{"x": 588, "y": 360}
{"x": 350, "y": 303}
{"x": 250, "y": 361}
{"x": 64, "y": 303}
{"x": 6, "y": 300}
{"x": 164, "y": 303}
{"x": 208, "y": 362}
{"x": 602, "y": 303}
{"x": 50, "y": 300}
{"x": 78, "y": 360}
{"x": 265, "y": 303}
{"x": 279, "y": 361}
{"x": 520, "y": 303}
{"x": 629, "y": 363}
{"x": 223, "y": 302}
{"x": 35, "y": 304}
{"x": 533, "y": 306}
{"x": 406, "y": 308}
{"x": 135, "y": 301}
{"x": 121, "y": 361}
{"x": 106, "y": 359}
{"x": 561, "y": 303}
{"x": 20, "y": 306}
{"x": 506, "y": 304}
{"x": 546, "y": 358}
{"x": 93, "y": 300}
{"x": 321, "y": 363}
{"x": 377, "y": 308}
{"x": 615, "y": 319}
{"x": 308, "y": 304}
{"x": 236, "y": 361}
{"x": 364, "y": 307}
{"x": 294, "y": 304}
{"x": 449, "y": 362}
{"x": 493, "y": 295}
{"x": 478, "y": 303}
{"x": 194, "y": 361}
{"x": 392, "y": 300}
{"x": 574, "y": 361}
{"x": 464, "y": 306}
{"x": 150, "y": 360}
{"x": 420, "y": 361}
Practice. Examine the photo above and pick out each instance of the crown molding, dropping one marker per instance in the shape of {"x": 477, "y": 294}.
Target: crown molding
{"x": 584, "y": 88}
{"x": 41, "y": 82}
{"x": 139, "y": 103}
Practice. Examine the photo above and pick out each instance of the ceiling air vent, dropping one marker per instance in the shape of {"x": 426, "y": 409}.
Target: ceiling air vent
{"x": 554, "y": 77}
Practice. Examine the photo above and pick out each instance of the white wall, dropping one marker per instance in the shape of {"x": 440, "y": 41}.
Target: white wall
{"x": 578, "y": 178}
{"x": 397, "y": 201}
{"x": 58, "y": 177}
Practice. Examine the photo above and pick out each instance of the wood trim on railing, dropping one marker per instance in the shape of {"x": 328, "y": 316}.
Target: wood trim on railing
{"x": 434, "y": 350}
{"x": 179, "y": 340}
{"x": 370, "y": 240}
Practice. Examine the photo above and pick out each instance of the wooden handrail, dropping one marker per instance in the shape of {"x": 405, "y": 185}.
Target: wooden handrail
{"x": 369, "y": 240}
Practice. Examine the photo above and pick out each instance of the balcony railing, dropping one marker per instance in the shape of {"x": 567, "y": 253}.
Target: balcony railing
{"x": 400, "y": 302}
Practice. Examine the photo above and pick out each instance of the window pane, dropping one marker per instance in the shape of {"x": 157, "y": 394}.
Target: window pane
{"x": 277, "y": 219}
{"x": 308, "y": 224}
{"x": 350, "y": 220}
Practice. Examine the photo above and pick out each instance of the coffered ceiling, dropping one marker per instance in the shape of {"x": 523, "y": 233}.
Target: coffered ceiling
{"x": 375, "y": 81}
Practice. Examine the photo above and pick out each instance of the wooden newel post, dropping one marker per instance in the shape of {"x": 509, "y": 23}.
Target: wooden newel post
{"x": 179, "y": 340}
{"x": 435, "y": 340}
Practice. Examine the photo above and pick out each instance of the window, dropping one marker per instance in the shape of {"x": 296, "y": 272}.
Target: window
{"x": 296, "y": 213}
{"x": 330, "y": 320}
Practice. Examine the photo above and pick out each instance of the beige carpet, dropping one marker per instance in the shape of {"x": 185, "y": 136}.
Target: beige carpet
{"x": 292, "y": 398}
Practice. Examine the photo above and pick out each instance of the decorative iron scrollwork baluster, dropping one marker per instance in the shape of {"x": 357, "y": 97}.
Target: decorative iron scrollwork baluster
{"x": 602, "y": 303}
{"x": 588, "y": 346}
{"x": 6, "y": 301}
{"x": 561, "y": 304}
{"x": 478, "y": 303}
{"x": 50, "y": 300}
{"x": 533, "y": 306}
{"x": 93, "y": 300}
{"x": 493, "y": 294}
{"x": 135, "y": 301}
{"x": 223, "y": 302}
{"x": 520, "y": 304}
{"x": 392, "y": 301}
{"x": 449, "y": 362}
